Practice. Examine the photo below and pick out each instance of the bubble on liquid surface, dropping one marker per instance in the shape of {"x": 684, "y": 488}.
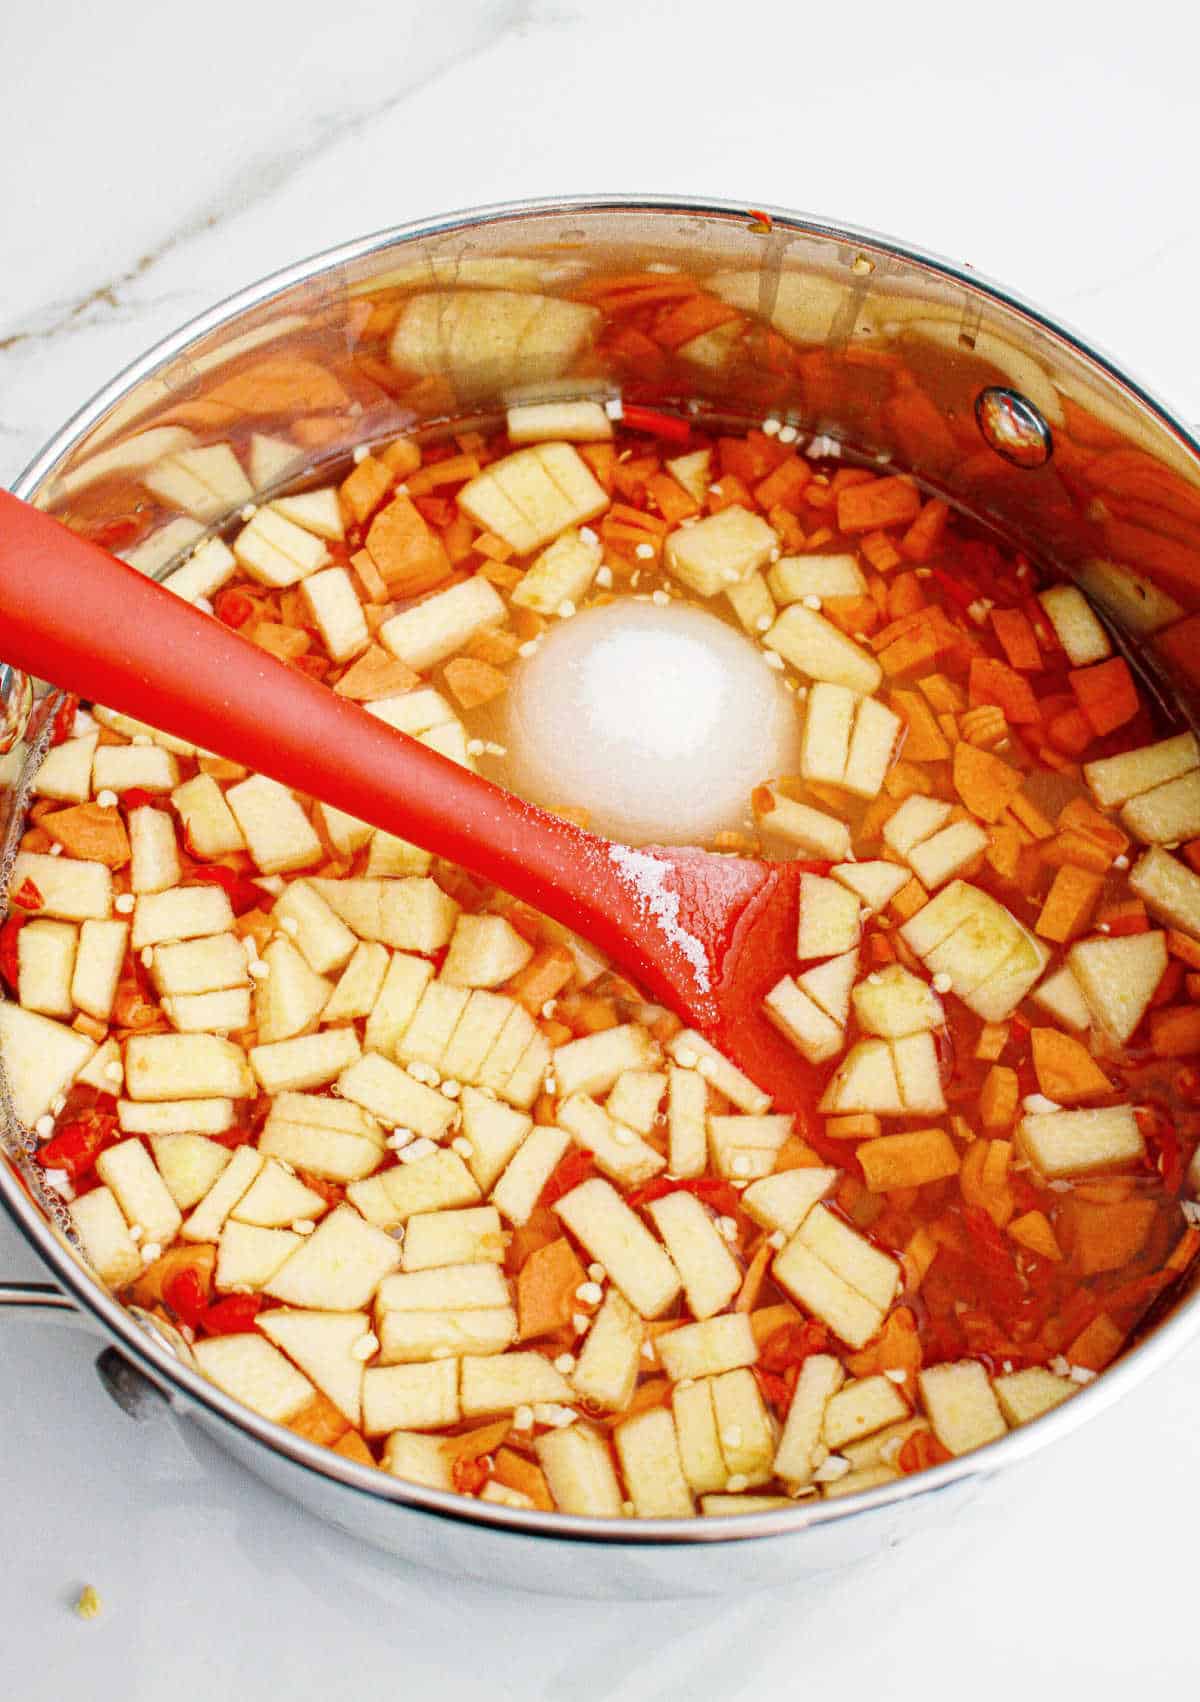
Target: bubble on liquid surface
{"x": 658, "y": 721}
{"x": 1013, "y": 427}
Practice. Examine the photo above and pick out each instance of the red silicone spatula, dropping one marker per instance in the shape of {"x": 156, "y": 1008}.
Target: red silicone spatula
{"x": 706, "y": 935}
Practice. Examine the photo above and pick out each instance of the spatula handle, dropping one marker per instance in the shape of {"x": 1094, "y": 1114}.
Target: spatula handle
{"x": 72, "y": 613}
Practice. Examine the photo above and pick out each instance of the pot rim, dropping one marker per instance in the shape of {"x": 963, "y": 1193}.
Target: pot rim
{"x": 155, "y": 1359}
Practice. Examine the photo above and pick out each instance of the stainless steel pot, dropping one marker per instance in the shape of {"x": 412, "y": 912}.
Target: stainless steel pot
{"x": 825, "y": 287}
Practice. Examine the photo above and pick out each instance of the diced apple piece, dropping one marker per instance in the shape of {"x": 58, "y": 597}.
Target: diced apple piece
{"x": 462, "y": 1288}
{"x": 346, "y": 833}
{"x": 872, "y": 744}
{"x": 441, "y": 625}
{"x": 565, "y": 421}
{"x": 917, "y": 820}
{"x": 484, "y": 951}
{"x": 226, "y": 1012}
{"x": 501, "y": 1383}
{"x": 710, "y": 1274}
{"x": 359, "y": 985}
{"x": 1078, "y": 1143}
{"x": 520, "y": 1187}
{"x": 857, "y": 1482}
{"x": 105, "y": 1238}
{"x": 252, "y": 1371}
{"x": 407, "y": 1338}
{"x": 851, "y": 1256}
{"x": 918, "y": 1074}
{"x": 206, "y": 483}
{"x": 876, "y": 883}
{"x": 143, "y": 1197}
{"x": 1075, "y": 625}
{"x": 865, "y": 1081}
{"x": 618, "y": 1151}
{"x": 1114, "y": 780}
{"x": 208, "y": 822}
{"x": 562, "y": 573}
{"x": 438, "y": 1182}
{"x": 1137, "y": 605}
{"x": 46, "y": 966}
{"x": 696, "y": 1430}
{"x": 579, "y": 1471}
{"x": 414, "y": 712}
{"x": 591, "y": 1065}
{"x": 690, "y": 1050}
{"x": 105, "y": 1069}
{"x": 598, "y": 1217}
{"x": 154, "y": 851}
{"x": 173, "y": 1117}
{"x": 829, "y": 984}
{"x": 1119, "y": 977}
{"x": 961, "y": 1406}
{"x": 548, "y": 487}
{"x": 275, "y": 552}
{"x": 325, "y": 940}
{"x": 317, "y": 511}
{"x": 793, "y": 578}
{"x": 1001, "y": 993}
{"x": 410, "y": 1397}
{"x": 488, "y": 338}
{"x": 277, "y": 832}
{"x": 648, "y": 1450}
{"x": 784, "y": 1200}
{"x": 814, "y": 1034}
{"x": 494, "y": 1131}
{"x": 828, "y": 720}
{"x": 277, "y": 1198}
{"x": 752, "y": 603}
{"x": 405, "y": 982}
{"x": 119, "y": 768}
{"x": 41, "y": 1059}
{"x": 813, "y": 832}
{"x": 819, "y": 650}
{"x": 810, "y": 1282}
{"x": 821, "y": 1377}
{"x": 434, "y": 1021}
{"x": 453, "y": 1238}
{"x": 208, "y": 1219}
{"x": 142, "y": 733}
{"x": 323, "y": 1346}
{"x": 937, "y": 920}
{"x": 184, "y": 913}
{"x": 1061, "y": 996}
{"x": 66, "y": 771}
{"x": 706, "y": 1349}
{"x": 1167, "y": 814}
{"x": 861, "y": 1407}
{"x": 946, "y": 854}
{"x": 186, "y": 1066}
{"x": 635, "y": 1098}
{"x": 68, "y": 889}
{"x": 338, "y": 1267}
{"x": 210, "y": 964}
{"x": 829, "y": 918}
{"x": 507, "y": 1050}
{"x": 687, "y": 1125}
{"x": 208, "y": 567}
{"x": 744, "y": 1148}
{"x": 324, "y": 1136}
{"x": 249, "y": 1256}
{"x": 607, "y": 1369}
{"x": 1026, "y": 1395}
{"x": 723, "y": 549}
{"x": 893, "y": 1002}
{"x": 744, "y": 1427}
{"x": 308, "y": 1061}
{"x": 389, "y": 1093}
{"x": 189, "y": 1165}
{"x": 1169, "y": 889}
{"x": 416, "y": 915}
{"x": 693, "y": 472}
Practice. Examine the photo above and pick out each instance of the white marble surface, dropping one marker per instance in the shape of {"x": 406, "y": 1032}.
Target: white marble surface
{"x": 157, "y": 158}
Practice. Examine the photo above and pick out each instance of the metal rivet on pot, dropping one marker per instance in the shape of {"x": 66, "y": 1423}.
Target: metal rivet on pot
{"x": 1013, "y": 427}
{"x": 16, "y": 704}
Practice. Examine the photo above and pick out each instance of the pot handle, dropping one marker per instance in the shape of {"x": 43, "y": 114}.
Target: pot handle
{"x": 40, "y": 1299}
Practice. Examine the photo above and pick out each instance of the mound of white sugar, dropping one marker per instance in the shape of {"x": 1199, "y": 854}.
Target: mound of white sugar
{"x": 658, "y": 721}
